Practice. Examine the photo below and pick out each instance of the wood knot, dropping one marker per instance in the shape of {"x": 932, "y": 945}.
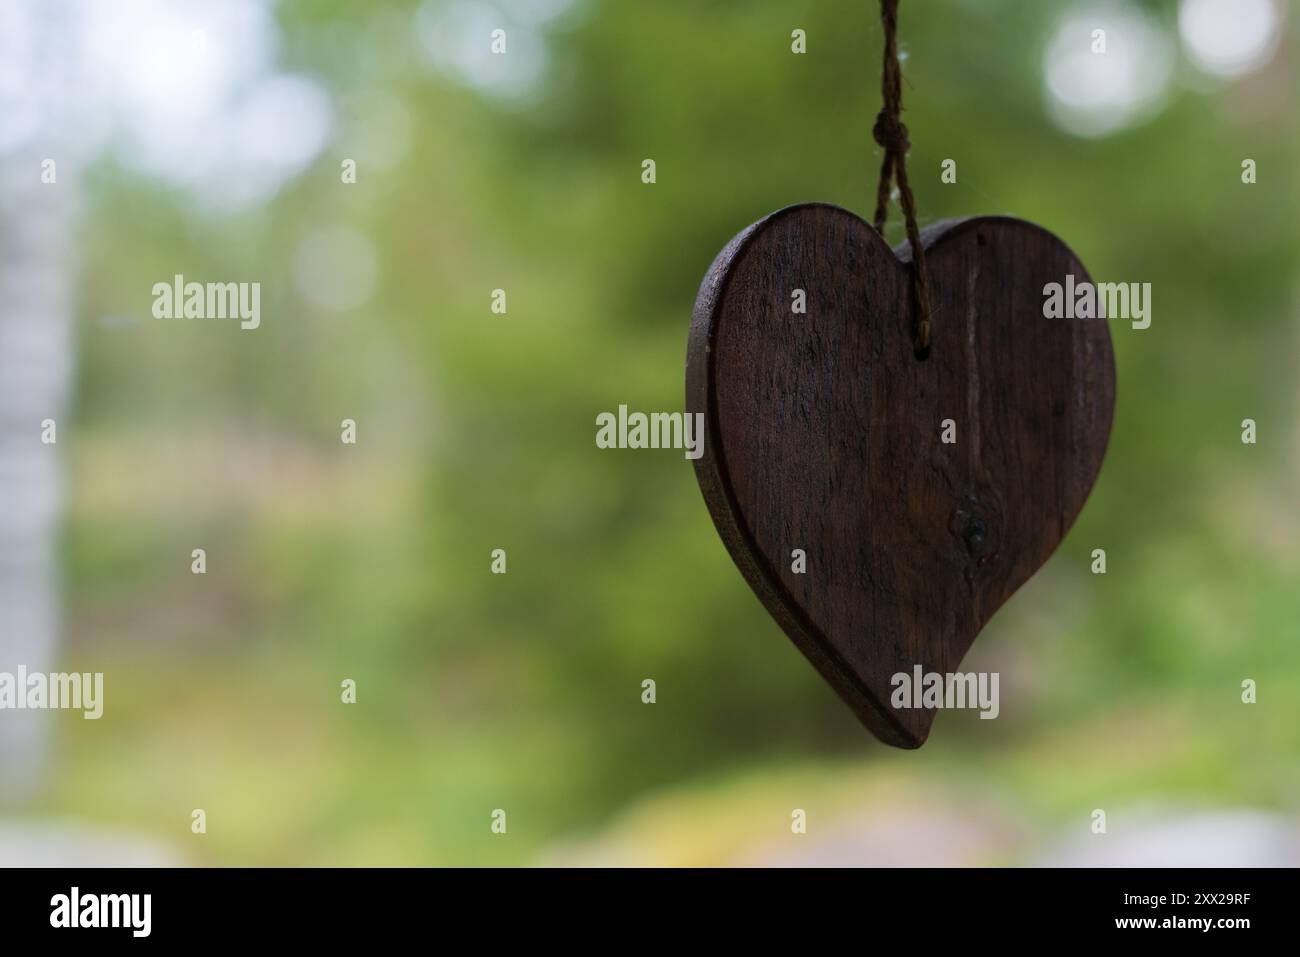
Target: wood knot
{"x": 975, "y": 534}
{"x": 973, "y": 526}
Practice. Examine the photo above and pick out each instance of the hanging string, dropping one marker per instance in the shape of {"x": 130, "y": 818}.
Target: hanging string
{"x": 891, "y": 134}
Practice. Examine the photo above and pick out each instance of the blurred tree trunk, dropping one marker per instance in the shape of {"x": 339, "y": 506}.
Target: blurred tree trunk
{"x": 37, "y": 280}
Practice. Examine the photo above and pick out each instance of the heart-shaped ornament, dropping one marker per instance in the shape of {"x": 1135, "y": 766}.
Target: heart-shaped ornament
{"x": 922, "y": 492}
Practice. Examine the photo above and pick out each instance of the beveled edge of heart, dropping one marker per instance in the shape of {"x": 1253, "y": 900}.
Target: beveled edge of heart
{"x": 715, "y": 483}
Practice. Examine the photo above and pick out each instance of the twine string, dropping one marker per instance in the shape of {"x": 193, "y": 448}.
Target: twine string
{"x": 891, "y": 134}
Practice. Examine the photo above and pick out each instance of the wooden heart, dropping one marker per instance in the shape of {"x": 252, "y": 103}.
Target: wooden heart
{"x": 823, "y": 432}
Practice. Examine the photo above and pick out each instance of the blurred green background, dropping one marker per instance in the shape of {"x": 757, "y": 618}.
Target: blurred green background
{"x": 476, "y": 431}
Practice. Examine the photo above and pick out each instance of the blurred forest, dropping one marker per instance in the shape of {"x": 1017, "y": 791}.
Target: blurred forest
{"x": 476, "y": 431}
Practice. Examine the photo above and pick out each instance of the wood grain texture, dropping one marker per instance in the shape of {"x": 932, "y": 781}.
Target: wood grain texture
{"x": 822, "y": 432}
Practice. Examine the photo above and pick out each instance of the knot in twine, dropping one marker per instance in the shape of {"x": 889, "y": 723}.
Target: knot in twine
{"x": 890, "y": 133}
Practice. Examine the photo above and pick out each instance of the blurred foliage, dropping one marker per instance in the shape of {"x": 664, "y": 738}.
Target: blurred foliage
{"x": 476, "y": 432}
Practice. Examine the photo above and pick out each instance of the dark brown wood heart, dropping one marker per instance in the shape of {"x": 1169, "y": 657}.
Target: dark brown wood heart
{"x": 823, "y": 433}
